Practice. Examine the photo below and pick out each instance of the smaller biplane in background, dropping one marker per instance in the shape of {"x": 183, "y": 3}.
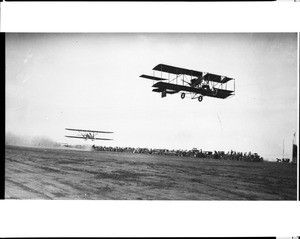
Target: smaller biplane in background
{"x": 87, "y": 134}
{"x": 196, "y": 83}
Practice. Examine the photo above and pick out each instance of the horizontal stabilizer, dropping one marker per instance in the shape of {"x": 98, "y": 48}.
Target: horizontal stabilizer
{"x": 167, "y": 91}
{"x": 152, "y": 77}
{"x": 157, "y": 90}
{"x": 172, "y": 91}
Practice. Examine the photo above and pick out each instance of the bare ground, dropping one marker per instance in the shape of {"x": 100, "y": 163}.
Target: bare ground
{"x": 34, "y": 173}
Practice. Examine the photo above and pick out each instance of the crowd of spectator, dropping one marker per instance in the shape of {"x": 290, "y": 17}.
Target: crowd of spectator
{"x": 283, "y": 160}
{"x": 230, "y": 155}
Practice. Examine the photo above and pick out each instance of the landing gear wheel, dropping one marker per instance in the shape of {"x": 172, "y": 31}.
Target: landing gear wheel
{"x": 182, "y": 95}
{"x": 200, "y": 98}
{"x": 215, "y": 92}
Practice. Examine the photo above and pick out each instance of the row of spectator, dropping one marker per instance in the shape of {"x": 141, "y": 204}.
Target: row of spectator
{"x": 230, "y": 155}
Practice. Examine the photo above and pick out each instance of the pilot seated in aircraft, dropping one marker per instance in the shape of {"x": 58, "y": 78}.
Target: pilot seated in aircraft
{"x": 205, "y": 85}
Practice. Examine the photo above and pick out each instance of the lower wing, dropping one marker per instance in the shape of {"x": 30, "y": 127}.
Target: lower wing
{"x": 219, "y": 93}
{"x": 77, "y": 137}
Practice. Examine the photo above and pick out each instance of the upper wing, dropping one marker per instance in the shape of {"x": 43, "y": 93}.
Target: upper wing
{"x": 216, "y": 78}
{"x": 212, "y": 77}
{"x": 226, "y": 79}
{"x": 152, "y": 77}
{"x": 177, "y": 70}
{"x": 86, "y": 130}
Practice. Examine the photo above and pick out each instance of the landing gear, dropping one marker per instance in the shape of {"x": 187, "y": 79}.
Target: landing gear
{"x": 200, "y": 98}
{"x": 182, "y": 95}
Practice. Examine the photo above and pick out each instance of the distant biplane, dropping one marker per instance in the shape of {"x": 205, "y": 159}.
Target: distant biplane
{"x": 87, "y": 134}
{"x": 198, "y": 84}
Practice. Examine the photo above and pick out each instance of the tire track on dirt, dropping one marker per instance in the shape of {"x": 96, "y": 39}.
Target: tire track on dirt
{"x": 67, "y": 174}
{"x": 27, "y": 189}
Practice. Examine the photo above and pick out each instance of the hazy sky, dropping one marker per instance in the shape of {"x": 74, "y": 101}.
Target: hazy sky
{"x": 91, "y": 81}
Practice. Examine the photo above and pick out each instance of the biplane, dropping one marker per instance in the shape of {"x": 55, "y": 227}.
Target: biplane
{"x": 87, "y": 134}
{"x": 196, "y": 83}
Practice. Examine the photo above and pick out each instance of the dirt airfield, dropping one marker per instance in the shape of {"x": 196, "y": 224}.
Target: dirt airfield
{"x": 36, "y": 173}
